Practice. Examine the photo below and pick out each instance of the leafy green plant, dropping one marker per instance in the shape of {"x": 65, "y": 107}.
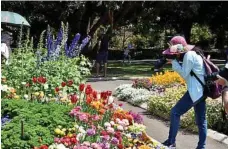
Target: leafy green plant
{"x": 40, "y": 120}
{"x": 162, "y": 105}
{"x": 24, "y": 67}
{"x": 200, "y": 33}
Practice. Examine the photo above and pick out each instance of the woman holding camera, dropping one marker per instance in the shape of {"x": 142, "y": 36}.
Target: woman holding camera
{"x": 193, "y": 97}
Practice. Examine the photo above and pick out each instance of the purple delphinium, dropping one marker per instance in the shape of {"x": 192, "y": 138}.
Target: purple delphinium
{"x": 70, "y": 51}
{"x": 137, "y": 117}
{"x": 5, "y": 119}
{"x": 54, "y": 46}
{"x": 59, "y": 38}
{"x": 85, "y": 41}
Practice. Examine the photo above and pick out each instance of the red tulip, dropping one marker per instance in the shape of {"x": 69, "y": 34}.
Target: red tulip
{"x": 63, "y": 84}
{"x": 104, "y": 95}
{"x": 40, "y": 79}
{"x": 81, "y": 87}
{"x": 88, "y": 99}
{"x": 43, "y": 147}
{"x": 109, "y": 93}
{"x": 118, "y": 134}
{"x": 88, "y": 90}
{"x": 44, "y": 80}
{"x": 57, "y": 89}
{"x": 104, "y": 133}
{"x": 120, "y": 146}
{"x": 94, "y": 94}
{"x": 73, "y": 140}
{"x": 73, "y": 98}
{"x": 70, "y": 82}
{"x": 34, "y": 80}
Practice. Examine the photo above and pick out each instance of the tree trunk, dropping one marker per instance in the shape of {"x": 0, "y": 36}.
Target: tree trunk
{"x": 186, "y": 28}
{"x": 220, "y": 38}
{"x": 85, "y": 19}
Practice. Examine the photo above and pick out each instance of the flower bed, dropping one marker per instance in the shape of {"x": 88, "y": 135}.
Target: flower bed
{"x": 165, "y": 91}
{"x": 132, "y": 95}
{"x": 161, "y": 106}
{"x": 92, "y": 121}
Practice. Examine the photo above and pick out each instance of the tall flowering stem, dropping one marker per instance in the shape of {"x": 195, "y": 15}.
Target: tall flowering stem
{"x": 70, "y": 51}
{"x": 49, "y": 41}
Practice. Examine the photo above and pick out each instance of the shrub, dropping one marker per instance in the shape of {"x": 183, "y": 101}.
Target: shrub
{"x": 24, "y": 67}
{"x": 162, "y": 105}
{"x": 39, "y": 122}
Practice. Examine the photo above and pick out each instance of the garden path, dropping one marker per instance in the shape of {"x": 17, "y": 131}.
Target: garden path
{"x": 156, "y": 128}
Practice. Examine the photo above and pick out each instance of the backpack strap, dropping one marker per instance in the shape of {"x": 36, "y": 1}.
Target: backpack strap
{"x": 197, "y": 78}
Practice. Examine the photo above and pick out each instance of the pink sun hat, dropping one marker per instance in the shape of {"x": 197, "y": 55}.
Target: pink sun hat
{"x": 178, "y": 45}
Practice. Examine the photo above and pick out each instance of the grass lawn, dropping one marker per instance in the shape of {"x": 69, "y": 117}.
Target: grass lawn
{"x": 117, "y": 69}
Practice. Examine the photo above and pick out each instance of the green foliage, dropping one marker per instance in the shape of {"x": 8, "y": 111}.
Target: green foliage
{"x": 24, "y": 67}
{"x": 41, "y": 42}
{"x": 161, "y": 106}
{"x": 139, "y": 41}
{"x": 200, "y": 33}
{"x": 40, "y": 120}
{"x": 21, "y": 69}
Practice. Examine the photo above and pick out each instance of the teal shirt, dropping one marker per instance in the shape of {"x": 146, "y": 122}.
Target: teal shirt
{"x": 191, "y": 61}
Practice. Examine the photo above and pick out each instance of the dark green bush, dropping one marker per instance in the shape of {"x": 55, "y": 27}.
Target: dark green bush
{"x": 40, "y": 120}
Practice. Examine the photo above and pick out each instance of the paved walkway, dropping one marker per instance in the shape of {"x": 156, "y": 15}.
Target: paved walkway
{"x": 158, "y": 129}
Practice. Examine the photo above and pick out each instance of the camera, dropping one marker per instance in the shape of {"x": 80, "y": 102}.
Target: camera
{"x": 162, "y": 61}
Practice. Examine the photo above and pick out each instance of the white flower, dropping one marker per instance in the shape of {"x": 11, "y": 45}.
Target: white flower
{"x": 112, "y": 123}
{"x": 107, "y": 124}
{"x": 121, "y": 123}
{"x": 81, "y": 129}
{"x": 26, "y": 96}
{"x": 4, "y": 88}
{"x": 110, "y": 130}
{"x": 98, "y": 96}
{"x": 128, "y": 135}
{"x": 126, "y": 122}
{"x": 45, "y": 86}
{"x": 118, "y": 120}
{"x": 76, "y": 126}
{"x": 61, "y": 146}
{"x": 80, "y": 136}
{"x": 23, "y": 83}
{"x": 57, "y": 146}
{"x": 119, "y": 127}
{"x": 110, "y": 99}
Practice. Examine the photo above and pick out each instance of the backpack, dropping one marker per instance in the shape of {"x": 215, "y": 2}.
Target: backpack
{"x": 211, "y": 88}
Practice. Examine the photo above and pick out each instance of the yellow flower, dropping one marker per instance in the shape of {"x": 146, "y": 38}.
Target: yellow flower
{"x": 36, "y": 93}
{"x": 167, "y": 78}
{"x": 41, "y": 94}
{"x": 16, "y": 97}
{"x": 144, "y": 147}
